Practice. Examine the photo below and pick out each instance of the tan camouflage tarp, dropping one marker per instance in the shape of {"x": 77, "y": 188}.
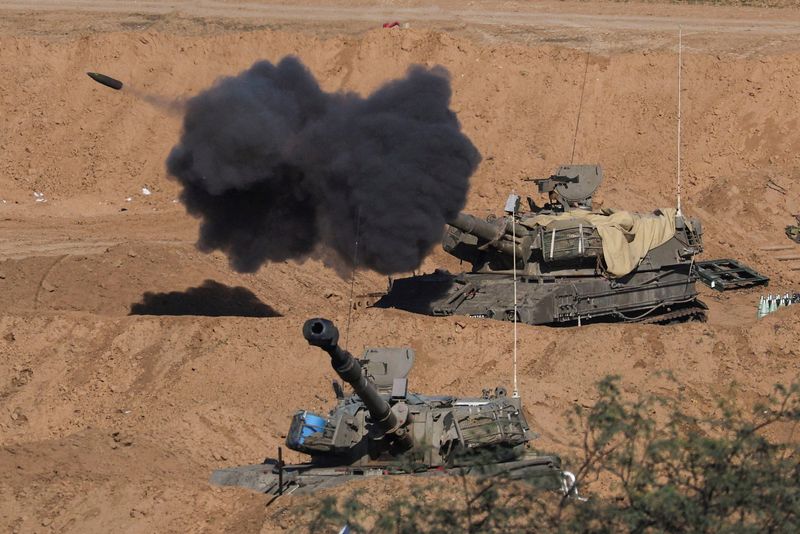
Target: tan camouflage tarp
{"x": 627, "y": 237}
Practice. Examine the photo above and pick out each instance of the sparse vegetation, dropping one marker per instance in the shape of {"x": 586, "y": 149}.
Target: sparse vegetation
{"x": 647, "y": 466}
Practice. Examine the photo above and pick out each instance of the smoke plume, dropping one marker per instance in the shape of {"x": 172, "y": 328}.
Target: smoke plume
{"x": 275, "y": 167}
{"x": 174, "y": 106}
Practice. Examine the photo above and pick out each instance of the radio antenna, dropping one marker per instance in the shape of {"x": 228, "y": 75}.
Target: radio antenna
{"x": 353, "y": 278}
{"x": 680, "y": 65}
{"x": 515, "y": 392}
{"x": 580, "y": 108}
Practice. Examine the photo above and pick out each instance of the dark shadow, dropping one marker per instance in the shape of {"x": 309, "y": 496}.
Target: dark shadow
{"x": 211, "y": 299}
{"x": 420, "y": 293}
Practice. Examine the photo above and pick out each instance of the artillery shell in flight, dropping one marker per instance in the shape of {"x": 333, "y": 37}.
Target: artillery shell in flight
{"x": 108, "y": 81}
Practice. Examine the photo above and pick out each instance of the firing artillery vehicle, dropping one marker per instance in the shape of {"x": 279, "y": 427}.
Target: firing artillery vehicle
{"x": 571, "y": 265}
{"x": 382, "y": 429}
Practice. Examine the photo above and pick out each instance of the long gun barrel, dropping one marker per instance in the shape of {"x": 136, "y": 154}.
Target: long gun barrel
{"x": 323, "y": 334}
{"x": 493, "y": 233}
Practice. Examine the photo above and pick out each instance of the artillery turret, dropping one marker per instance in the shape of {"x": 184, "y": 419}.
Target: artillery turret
{"x": 382, "y": 429}
{"x": 572, "y": 264}
{"x": 391, "y": 422}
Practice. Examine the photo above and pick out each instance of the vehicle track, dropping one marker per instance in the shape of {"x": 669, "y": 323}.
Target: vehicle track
{"x": 760, "y": 22}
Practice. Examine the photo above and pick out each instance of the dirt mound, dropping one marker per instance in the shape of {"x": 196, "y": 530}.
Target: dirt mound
{"x": 134, "y": 364}
{"x": 163, "y": 401}
{"x": 85, "y": 146}
{"x": 126, "y": 279}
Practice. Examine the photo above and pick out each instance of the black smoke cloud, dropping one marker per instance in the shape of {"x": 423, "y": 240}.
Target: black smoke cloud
{"x": 275, "y": 167}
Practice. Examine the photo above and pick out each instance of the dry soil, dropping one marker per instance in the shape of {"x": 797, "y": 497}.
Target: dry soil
{"x": 131, "y": 364}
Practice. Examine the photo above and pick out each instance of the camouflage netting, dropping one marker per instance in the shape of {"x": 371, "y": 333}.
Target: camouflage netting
{"x": 627, "y": 237}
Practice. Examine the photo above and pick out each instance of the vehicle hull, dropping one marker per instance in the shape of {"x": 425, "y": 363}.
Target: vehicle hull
{"x": 641, "y": 296}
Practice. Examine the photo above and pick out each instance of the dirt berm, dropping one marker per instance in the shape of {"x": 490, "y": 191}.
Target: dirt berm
{"x": 112, "y": 421}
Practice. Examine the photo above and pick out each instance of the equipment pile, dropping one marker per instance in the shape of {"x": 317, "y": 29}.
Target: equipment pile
{"x": 771, "y": 303}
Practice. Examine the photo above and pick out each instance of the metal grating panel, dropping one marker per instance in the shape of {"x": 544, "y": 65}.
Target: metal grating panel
{"x": 728, "y": 274}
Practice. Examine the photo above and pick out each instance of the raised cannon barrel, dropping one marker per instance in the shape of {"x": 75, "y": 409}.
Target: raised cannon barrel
{"x": 497, "y": 233}
{"x": 478, "y": 227}
{"x": 323, "y": 333}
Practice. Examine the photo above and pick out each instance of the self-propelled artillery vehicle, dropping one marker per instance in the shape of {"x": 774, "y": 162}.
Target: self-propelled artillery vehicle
{"x": 571, "y": 264}
{"x": 383, "y": 429}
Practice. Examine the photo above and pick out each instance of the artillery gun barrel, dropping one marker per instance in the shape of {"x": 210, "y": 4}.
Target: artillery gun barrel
{"x": 323, "y": 333}
{"x": 477, "y": 227}
{"x": 490, "y": 232}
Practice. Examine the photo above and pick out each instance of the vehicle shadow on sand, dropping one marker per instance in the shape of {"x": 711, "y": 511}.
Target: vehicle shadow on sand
{"x": 211, "y": 299}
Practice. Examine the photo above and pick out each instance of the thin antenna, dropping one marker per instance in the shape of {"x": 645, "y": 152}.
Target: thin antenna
{"x": 580, "y": 108}
{"x": 680, "y": 65}
{"x": 515, "y": 393}
{"x": 353, "y": 279}
{"x": 280, "y": 471}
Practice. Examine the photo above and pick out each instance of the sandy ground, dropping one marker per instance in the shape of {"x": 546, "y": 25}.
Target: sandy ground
{"x": 112, "y": 421}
